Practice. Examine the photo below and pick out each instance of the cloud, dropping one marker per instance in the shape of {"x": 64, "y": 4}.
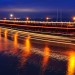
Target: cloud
{"x": 25, "y": 10}
{"x": 16, "y": 10}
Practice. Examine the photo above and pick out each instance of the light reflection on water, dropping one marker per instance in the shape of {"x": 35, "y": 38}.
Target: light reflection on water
{"x": 71, "y": 63}
{"x": 6, "y": 34}
{"x": 15, "y": 40}
{"x": 25, "y": 52}
{"x": 45, "y": 57}
{"x": 0, "y": 40}
{"x": 6, "y": 39}
{"x": 0, "y": 33}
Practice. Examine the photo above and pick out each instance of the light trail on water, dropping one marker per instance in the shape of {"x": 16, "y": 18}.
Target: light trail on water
{"x": 15, "y": 38}
{"x": 0, "y": 39}
{"x": 46, "y": 56}
{"x": 26, "y": 52}
{"x": 71, "y": 63}
{"x": 6, "y": 39}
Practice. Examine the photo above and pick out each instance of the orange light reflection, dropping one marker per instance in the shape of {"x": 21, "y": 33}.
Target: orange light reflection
{"x": 46, "y": 57}
{"x": 26, "y": 52}
{"x": 0, "y": 33}
{"x": 71, "y": 63}
{"x": 6, "y": 34}
{"x": 0, "y": 41}
{"x": 15, "y": 42}
{"x": 6, "y": 39}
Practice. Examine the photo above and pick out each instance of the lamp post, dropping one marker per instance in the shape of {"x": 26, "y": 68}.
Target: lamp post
{"x": 11, "y": 16}
{"x": 47, "y": 18}
{"x": 74, "y": 18}
{"x": 27, "y": 18}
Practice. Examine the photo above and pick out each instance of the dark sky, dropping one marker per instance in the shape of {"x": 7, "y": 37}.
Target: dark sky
{"x": 42, "y": 7}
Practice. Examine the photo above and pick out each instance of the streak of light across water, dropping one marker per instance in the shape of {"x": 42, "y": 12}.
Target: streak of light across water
{"x": 71, "y": 63}
{"x": 15, "y": 42}
{"x": 28, "y": 45}
{"x": 0, "y": 40}
{"x": 6, "y": 39}
{"x": 6, "y": 34}
{"x": 0, "y": 33}
{"x": 25, "y": 52}
{"x": 46, "y": 56}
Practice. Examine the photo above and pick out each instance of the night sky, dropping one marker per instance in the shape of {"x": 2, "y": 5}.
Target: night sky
{"x": 36, "y": 8}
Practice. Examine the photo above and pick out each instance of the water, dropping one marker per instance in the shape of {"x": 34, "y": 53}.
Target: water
{"x": 34, "y": 59}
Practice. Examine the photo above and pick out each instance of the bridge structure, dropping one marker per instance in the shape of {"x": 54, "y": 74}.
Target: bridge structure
{"x": 40, "y": 22}
{"x": 41, "y": 26}
{"x": 50, "y": 27}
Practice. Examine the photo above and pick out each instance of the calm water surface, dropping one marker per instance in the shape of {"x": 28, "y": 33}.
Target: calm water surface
{"x": 34, "y": 59}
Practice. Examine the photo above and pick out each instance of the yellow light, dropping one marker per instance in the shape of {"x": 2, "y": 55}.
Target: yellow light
{"x": 15, "y": 43}
{"x": 26, "y": 52}
{"x": 28, "y": 45}
{"x": 5, "y": 34}
{"x": 45, "y": 57}
{"x": 74, "y": 18}
{"x": 16, "y": 39}
{"x": 0, "y": 33}
{"x": 71, "y": 63}
{"x": 5, "y": 39}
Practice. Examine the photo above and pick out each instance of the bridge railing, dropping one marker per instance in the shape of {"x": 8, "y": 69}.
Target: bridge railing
{"x": 40, "y": 22}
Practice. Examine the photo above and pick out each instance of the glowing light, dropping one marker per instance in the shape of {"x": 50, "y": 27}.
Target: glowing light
{"x": 74, "y": 18}
{"x": 11, "y": 15}
{"x": 71, "y": 63}
{"x": 0, "y": 33}
{"x": 5, "y": 34}
{"x": 46, "y": 57}
{"x": 16, "y": 40}
{"x": 25, "y": 52}
{"x": 47, "y": 18}
{"x": 1, "y": 45}
{"x": 27, "y": 18}
{"x": 6, "y": 39}
{"x": 27, "y": 44}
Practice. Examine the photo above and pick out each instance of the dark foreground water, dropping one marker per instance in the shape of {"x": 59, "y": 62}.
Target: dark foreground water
{"x": 31, "y": 59}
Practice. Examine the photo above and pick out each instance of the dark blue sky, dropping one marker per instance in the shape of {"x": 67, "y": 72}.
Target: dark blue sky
{"x": 42, "y": 7}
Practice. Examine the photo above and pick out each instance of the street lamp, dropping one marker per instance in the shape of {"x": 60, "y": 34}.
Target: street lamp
{"x": 11, "y": 16}
{"x": 74, "y": 18}
{"x": 47, "y": 18}
{"x": 27, "y": 18}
